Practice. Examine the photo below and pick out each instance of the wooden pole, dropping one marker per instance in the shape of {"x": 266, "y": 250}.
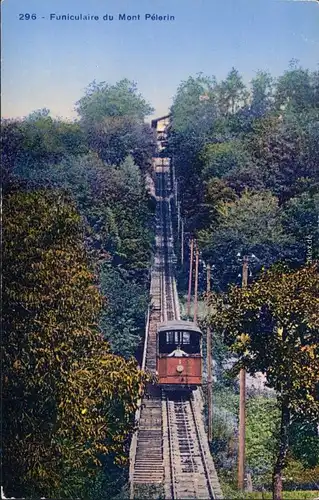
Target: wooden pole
{"x": 190, "y": 278}
{"x": 242, "y": 403}
{"x": 182, "y": 242}
{"x": 209, "y": 370}
{"x": 196, "y": 284}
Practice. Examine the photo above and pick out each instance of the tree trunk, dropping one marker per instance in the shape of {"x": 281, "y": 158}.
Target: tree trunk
{"x": 282, "y": 452}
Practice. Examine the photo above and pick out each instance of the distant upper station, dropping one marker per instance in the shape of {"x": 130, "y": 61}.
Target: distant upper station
{"x": 162, "y": 118}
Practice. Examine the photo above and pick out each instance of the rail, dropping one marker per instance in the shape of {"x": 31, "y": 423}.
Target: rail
{"x": 146, "y": 337}
{"x": 211, "y": 488}
{"x": 158, "y": 273}
{"x": 133, "y": 446}
{"x": 171, "y": 459}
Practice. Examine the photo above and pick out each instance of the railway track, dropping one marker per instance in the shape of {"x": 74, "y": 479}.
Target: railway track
{"x": 148, "y": 459}
{"x": 191, "y": 473}
{"x": 171, "y": 447}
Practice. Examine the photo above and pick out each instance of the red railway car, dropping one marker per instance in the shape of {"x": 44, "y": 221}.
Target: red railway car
{"x": 179, "y": 355}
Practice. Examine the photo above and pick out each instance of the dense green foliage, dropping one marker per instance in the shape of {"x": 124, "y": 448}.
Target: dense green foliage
{"x": 261, "y": 437}
{"x": 113, "y": 119}
{"x": 273, "y": 326}
{"x": 261, "y": 434}
{"x": 246, "y": 161}
{"x": 123, "y": 318}
{"x": 39, "y": 140}
{"x": 59, "y": 377}
{"x": 243, "y": 150}
{"x": 118, "y": 215}
{"x": 79, "y": 238}
{"x": 112, "y": 199}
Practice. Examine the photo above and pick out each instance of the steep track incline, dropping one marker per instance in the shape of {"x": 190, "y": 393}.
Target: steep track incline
{"x": 170, "y": 447}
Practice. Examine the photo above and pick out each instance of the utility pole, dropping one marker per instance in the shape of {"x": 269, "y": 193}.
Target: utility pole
{"x": 196, "y": 283}
{"x": 209, "y": 370}
{"x": 190, "y": 278}
{"x": 242, "y": 398}
{"x": 182, "y": 242}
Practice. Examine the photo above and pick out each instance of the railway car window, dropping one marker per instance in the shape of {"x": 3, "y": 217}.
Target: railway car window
{"x": 177, "y": 337}
{"x": 186, "y": 339}
{"x": 172, "y": 338}
{"x": 190, "y": 341}
{"x": 169, "y": 337}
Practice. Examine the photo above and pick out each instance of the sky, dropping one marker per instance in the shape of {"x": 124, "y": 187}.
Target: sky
{"x": 49, "y": 63}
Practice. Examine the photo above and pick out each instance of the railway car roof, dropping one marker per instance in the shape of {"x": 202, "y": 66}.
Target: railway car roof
{"x": 178, "y": 325}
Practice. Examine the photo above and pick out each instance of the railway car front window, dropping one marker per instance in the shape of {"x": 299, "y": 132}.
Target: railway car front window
{"x": 186, "y": 338}
{"x": 189, "y": 342}
{"x": 169, "y": 337}
{"x": 178, "y": 338}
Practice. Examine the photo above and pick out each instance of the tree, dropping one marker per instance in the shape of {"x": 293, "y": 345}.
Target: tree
{"x": 192, "y": 118}
{"x": 215, "y": 192}
{"x": 273, "y": 326}
{"x": 118, "y": 136}
{"x": 262, "y": 424}
{"x": 39, "y": 140}
{"x": 281, "y": 149}
{"x": 252, "y": 218}
{"x": 112, "y": 117}
{"x": 232, "y": 93}
{"x": 120, "y": 99}
{"x": 250, "y": 224}
{"x": 11, "y": 139}
{"x": 245, "y": 177}
{"x": 221, "y": 158}
{"x": 304, "y": 440}
{"x": 262, "y": 87}
{"x": 48, "y": 140}
{"x": 132, "y": 213}
{"x": 190, "y": 110}
{"x": 69, "y": 403}
{"x": 294, "y": 89}
{"x": 261, "y": 142}
{"x": 123, "y": 318}
{"x": 113, "y": 202}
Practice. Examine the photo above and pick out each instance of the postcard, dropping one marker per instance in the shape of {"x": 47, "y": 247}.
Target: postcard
{"x": 160, "y": 246}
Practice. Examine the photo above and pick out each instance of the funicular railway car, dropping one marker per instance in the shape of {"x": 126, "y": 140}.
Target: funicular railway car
{"x": 179, "y": 355}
